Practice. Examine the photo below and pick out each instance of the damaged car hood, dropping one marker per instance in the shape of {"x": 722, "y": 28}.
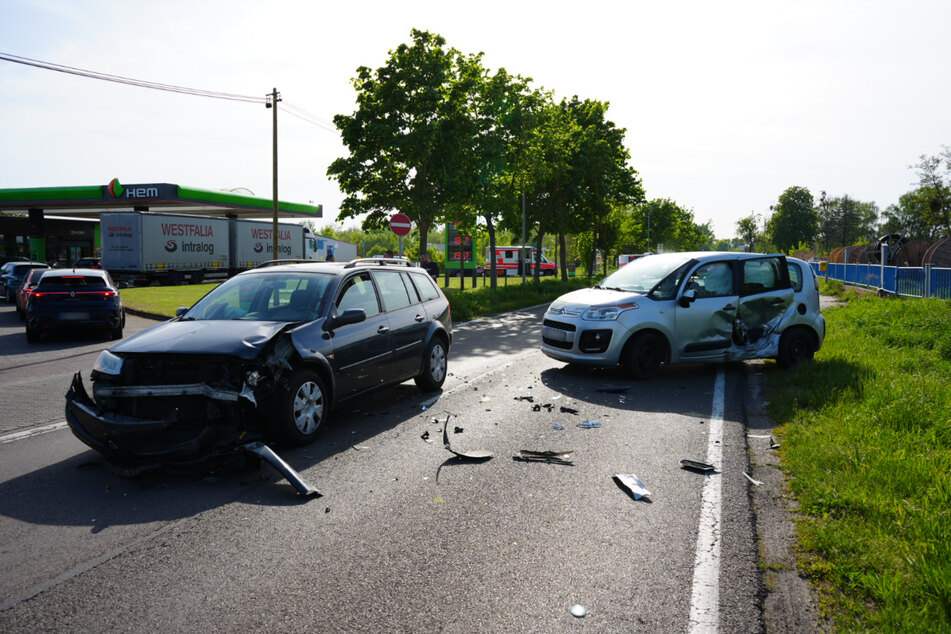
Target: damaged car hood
{"x": 243, "y": 339}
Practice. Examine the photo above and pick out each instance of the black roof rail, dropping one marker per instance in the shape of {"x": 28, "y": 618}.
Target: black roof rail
{"x": 279, "y": 262}
{"x": 381, "y": 261}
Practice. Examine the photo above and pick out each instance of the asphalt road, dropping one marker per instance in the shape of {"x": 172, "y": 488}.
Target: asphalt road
{"x": 405, "y": 537}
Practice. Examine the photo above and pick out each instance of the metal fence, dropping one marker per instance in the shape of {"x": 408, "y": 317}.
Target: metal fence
{"x": 915, "y": 281}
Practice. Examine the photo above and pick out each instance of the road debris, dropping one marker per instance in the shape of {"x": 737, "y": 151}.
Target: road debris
{"x": 426, "y": 437}
{"x": 266, "y": 454}
{"x": 530, "y": 399}
{"x": 579, "y": 611}
{"x": 558, "y": 426}
{"x": 551, "y": 457}
{"x": 589, "y": 424}
{"x": 630, "y": 482}
{"x": 478, "y": 454}
{"x": 755, "y": 482}
{"x": 567, "y": 410}
{"x": 694, "y": 465}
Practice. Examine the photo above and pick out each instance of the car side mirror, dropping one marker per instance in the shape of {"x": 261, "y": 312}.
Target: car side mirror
{"x": 181, "y": 310}
{"x": 349, "y": 316}
{"x": 688, "y": 298}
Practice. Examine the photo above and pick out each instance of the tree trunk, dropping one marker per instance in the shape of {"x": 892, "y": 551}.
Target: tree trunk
{"x": 538, "y": 256}
{"x": 563, "y": 256}
{"x": 493, "y": 272}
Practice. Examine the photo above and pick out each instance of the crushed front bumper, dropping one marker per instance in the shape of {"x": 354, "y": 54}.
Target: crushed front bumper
{"x": 167, "y": 441}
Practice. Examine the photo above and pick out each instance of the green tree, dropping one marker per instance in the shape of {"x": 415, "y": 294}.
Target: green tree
{"x": 910, "y": 217}
{"x": 934, "y": 177}
{"x": 844, "y": 221}
{"x": 747, "y": 230}
{"x": 408, "y": 137}
{"x": 794, "y": 220}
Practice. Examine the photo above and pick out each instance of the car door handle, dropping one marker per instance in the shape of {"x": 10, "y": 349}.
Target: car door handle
{"x": 729, "y": 307}
{"x": 382, "y": 330}
{"x": 420, "y": 318}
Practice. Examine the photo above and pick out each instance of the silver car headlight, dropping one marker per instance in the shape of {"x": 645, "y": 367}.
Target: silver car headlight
{"x": 108, "y": 363}
{"x": 607, "y": 313}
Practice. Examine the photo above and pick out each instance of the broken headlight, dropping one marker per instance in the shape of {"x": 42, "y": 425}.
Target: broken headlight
{"x": 108, "y": 363}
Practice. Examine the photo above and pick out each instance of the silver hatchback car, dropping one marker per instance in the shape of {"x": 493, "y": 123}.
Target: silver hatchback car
{"x": 688, "y": 307}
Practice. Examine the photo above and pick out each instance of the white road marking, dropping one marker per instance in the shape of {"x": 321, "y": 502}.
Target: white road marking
{"x": 29, "y": 433}
{"x": 705, "y": 598}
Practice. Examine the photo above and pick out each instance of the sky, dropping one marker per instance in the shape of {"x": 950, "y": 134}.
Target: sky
{"x": 725, "y": 104}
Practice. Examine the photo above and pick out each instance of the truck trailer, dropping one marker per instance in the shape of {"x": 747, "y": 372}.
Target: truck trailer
{"x": 145, "y": 247}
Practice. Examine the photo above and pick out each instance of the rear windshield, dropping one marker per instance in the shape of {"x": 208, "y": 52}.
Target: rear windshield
{"x": 71, "y": 283}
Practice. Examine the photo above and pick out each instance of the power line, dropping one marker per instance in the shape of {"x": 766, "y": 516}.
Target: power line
{"x": 290, "y": 109}
{"x": 129, "y": 81}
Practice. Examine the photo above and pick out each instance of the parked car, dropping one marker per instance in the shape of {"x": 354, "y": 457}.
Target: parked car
{"x": 89, "y": 263}
{"x": 71, "y": 299}
{"x": 683, "y": 307}
{"x": 26, "y": 287}
{"x": 264, "y": 356}
{"x": 11, "y": 276}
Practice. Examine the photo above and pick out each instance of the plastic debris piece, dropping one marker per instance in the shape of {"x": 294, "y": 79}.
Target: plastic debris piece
{"x": 758, "y": 435}
{"x": 613, "y": 389}
{"x": 695, "y": 465}
{"x": 536, "y": 408}
{"x": 755, "y": 482}
{"x": 426, "y": 437}
{"x": 588, "y": 424}
{"x": 773, "y": 444}
{"x": 579, "y": 611}
{"x": 557, "y": 426}
{"x": 553, "y": 457}
{"x": 265, "y": 453}
{"x": 632, "y": 483}
{"x": 549, "y": 407}
{"x": 478, "y": 454}
{"x": 568, "y": 410}
{"x": 458, "y": 430}
{"x": 530, "y": 399}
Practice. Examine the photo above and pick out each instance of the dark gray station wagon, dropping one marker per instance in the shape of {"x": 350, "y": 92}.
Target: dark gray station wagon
{"x": 264, "y": 356}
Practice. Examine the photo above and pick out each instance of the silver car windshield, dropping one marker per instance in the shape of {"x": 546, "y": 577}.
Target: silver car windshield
{"x": 643, "y": 274}
{"x": 265, "y": 296}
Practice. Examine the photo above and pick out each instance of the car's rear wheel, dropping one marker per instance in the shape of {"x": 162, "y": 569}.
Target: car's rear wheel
{"x": 795, "y": 347}
{"x": 644, "y": 355}
{"x": 301, "y": 407}
{"x": 435, "y": 364}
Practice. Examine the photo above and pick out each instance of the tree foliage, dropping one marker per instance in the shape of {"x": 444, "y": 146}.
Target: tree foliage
{"x": 794, "y": 220}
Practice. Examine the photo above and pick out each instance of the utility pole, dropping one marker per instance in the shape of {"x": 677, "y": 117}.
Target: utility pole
{"x": 273, "y": 98}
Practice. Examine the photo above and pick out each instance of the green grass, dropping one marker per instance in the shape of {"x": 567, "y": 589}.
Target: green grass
{"x": 164, "y": 300}
{"x": 466, "y": 304}
{"x": 867, "y": 448}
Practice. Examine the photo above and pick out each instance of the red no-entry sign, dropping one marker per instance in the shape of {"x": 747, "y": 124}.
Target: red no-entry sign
{"x": 400, "y": 224}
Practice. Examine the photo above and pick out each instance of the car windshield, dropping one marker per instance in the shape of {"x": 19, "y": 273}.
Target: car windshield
{"x": 265, "y": 296}
{"x": 643, "y": 274}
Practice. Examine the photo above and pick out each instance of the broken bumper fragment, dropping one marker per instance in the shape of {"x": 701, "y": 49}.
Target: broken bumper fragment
{"x": 169, "y": 440}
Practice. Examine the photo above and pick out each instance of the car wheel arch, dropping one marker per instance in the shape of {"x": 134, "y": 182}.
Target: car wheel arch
{"x": 626, "y": 349}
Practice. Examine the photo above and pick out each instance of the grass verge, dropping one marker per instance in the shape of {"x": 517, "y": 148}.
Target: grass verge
{"x": 867, "y": 448}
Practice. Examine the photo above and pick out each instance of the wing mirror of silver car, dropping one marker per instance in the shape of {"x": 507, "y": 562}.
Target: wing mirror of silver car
{"x": 688, "y": 298}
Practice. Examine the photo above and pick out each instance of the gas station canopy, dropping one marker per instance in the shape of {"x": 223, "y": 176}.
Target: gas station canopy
{"x": 93, "y": 200}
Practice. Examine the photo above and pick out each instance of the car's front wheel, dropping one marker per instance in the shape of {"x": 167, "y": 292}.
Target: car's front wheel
{"x": 435, "y": 364}
{"x": 795, "y": 347}
{"x": 644, "y": 355}
{"x": 301, "y": 408}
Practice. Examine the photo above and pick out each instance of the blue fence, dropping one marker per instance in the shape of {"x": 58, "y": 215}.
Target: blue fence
{"x": 908, "y": 281}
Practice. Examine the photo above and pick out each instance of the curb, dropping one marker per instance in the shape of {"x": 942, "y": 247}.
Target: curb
{"x": 146, "y": 314}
